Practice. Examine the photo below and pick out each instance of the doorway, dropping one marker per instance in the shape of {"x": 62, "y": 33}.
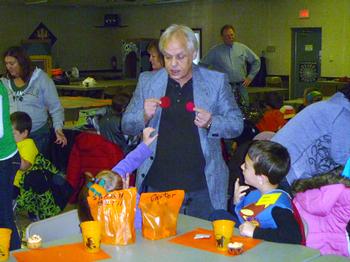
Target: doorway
{"x": 306, "y": 59}
{"x": 130, "y": 65}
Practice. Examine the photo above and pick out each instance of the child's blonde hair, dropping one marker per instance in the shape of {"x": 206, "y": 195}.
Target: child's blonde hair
{"x": 108, "y": 179}
{"x": 113, "y": 181}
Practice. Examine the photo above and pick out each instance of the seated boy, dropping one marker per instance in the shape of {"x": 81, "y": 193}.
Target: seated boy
{"x": 22, "y": 125}
{"x": 107, "y": 123}
{"x": 266, "y": 213}
{"x": 311, "y": 95}
{"x": 118, "y": 178}
{"x": 37, "y": 190}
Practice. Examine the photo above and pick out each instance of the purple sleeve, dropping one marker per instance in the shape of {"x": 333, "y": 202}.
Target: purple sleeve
{"x": 138, "y": 214}
{"x": 133, "y": 160}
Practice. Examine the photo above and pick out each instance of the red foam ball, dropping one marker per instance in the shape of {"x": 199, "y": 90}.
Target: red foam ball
{"x": 190, "y": 106}
{"x": 165, "y": 102}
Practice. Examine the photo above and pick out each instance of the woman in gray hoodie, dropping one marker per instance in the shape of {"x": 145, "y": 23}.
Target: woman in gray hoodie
{"x": 32, "y": 91}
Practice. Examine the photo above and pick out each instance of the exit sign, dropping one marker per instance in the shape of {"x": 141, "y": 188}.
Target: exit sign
{"x": 304, "y": 13}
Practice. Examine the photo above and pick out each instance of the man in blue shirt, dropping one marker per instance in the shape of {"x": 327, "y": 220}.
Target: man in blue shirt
{"x": 231, "y": 57}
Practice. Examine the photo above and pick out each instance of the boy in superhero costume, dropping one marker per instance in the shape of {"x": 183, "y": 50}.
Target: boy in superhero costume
{"x": 267, "y": 212}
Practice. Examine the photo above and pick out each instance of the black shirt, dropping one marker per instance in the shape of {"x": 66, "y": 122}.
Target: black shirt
{"x": 287, "y": 230}
{"x": 179, "y": 162}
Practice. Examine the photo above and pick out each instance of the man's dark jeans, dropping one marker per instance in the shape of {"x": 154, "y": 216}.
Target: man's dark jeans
{"x": 196, "y": 203}
{"x": 8, "y": 169}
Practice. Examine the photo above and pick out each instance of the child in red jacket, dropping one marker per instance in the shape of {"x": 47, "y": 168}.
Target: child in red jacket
{"x": 273, "y": 119}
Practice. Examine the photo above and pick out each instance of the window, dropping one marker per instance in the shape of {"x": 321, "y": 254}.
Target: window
{"x": 198, "y": 33}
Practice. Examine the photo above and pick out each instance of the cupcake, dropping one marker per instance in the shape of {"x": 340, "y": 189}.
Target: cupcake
{"x": 34, "y": 241}
{"x": 235, "y": 248}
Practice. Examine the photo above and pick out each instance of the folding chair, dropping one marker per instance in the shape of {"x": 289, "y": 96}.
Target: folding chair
{"x": 57, "y": 227}
{"x": 273, "y": 81}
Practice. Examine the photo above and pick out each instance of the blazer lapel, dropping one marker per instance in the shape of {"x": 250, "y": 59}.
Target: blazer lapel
{"x": 157, "y": 88}
{"x": 158, "y": 83}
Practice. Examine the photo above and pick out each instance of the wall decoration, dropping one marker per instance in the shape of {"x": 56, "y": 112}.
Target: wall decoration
{"x": 111, "y": 20}
{"x": 308, "y": 72}
{"x": 129, "y": 59}
{"x": 128, "y": 47}
{"x": 41, "y": 32}
{"x": 308, "y": 48}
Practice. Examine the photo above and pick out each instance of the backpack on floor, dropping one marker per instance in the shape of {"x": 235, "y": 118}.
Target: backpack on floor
{"x": 43, "y": 190}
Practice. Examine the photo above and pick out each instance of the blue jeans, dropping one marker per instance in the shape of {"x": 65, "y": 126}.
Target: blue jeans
{"x": 42, "y": 142}
{"x": 241, "y": 94}
{"x": 8, "y": 169}
{"x": 244, "y": 94}
{"x": 196, "y": 203}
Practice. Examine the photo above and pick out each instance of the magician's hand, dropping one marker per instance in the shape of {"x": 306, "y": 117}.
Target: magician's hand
{"x": 203, "y": 118}
{"x": 150, "y": 106}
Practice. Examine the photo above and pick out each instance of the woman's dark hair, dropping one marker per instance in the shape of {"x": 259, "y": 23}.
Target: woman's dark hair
{"x": 274, "y": 100}
{"x": 21, "y": 121}
{"x": 120, "y": 102}
{"x": 24, "y": 62}
{"x": 270, "y": 159}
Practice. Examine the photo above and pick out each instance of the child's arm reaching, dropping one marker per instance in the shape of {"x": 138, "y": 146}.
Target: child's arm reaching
{"x": 136, "y": 157}
{"x": 149, "y": 135}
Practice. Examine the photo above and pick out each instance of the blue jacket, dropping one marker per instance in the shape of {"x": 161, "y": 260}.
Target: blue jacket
{"x": 211, "y": 91}
{"x": 265, "y": 217}
{"x": 317, "y": 138}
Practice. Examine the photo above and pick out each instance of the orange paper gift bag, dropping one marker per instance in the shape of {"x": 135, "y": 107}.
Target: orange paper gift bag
{"x": 159, "y": 213}
{"x": 116, "y": 212}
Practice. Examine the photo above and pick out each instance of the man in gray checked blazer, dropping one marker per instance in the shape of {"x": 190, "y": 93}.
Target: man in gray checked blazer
{"x": 187, "y": 152}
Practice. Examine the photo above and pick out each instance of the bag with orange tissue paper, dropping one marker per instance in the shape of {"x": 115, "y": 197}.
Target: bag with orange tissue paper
{"x": 159, "y": 213}
{"x": 116, "y": 212}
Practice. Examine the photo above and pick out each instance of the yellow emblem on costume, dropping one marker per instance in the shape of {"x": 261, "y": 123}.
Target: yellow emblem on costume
{"x": 268, "y": 199}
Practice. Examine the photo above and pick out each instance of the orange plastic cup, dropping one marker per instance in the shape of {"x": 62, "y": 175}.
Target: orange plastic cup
{"x": 91, "y": 231}
{"x": 5, "y": 237}
{"x": 223, "y": 230}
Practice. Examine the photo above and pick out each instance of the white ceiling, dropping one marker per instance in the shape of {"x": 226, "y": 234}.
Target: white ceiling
{"x": 96, "y": 3}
